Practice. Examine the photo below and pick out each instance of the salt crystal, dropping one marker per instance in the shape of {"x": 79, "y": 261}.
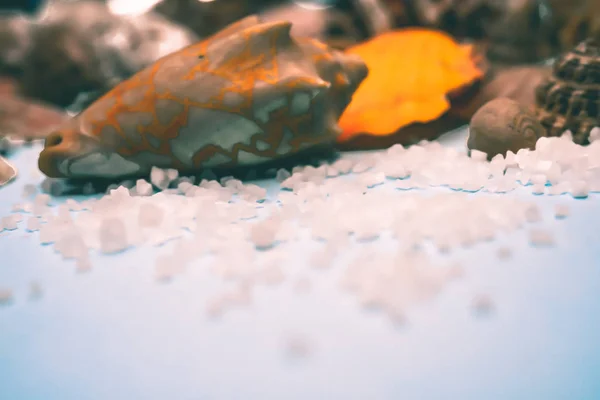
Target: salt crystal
{"x": 159, "y": 178}
{"x": 289, "y": 183}
{"x": 560, "y": 188}
{"x": 112, "y": 235}
{"x": 343, "y": 165}
{"x": 524, "y": 178}
{"x": 71, "y": 246}
{"x": 183, "y": 187}
{"x": 538, "y": 189}
{"x": 6, "y": 296}
{"x": 395, "y": 150}
{"x": 297, "y": 347}
{"x": 42, "y": 199}
{"x": 538, "y": 179}
{"x": 111, "y": 187}
{"x": 263, "y": 234}
{"x": 504, "y": 253}
{"x": 477, "y": 155}
{"x": 538, "y": 237}
{"x": 561, "y": 211}
{"x": 19, "y": 207}
{"x": 83, "y": 264}
{"x": 361, "y": 166}
{"x": 9, "y": 223}
{"x": 35, "y": 290}
{"x": 150, "y": 215}
{"x": 579, "y": 189}
{"x": 567, "y": 135}
{"x": 33, "y": 224}
{"x": 498, "y": 165}
{"x": 171, "y": 174}
{"x": 511, "y": 159}
{"x": 73, "y": 205}
{"x": 332, "y": 172}
{"x": 395, "y": 171}
{"x": 143, "y": 188}
{"x": 595, "y": 134}
{"x": 253, "y": 192}
{"x": 166, "y": 267}
{"x": 372, "y": 179}
{"x": 215, "y": 307}
{"x": 482, "y": 305}
{"x": 532, "y": 213}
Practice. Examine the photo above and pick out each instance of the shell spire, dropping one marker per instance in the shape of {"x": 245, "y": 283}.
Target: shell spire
{"x": 569, "y": 99}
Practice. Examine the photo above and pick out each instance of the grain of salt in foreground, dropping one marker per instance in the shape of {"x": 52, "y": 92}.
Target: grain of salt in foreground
{"x": 250, "y": 238}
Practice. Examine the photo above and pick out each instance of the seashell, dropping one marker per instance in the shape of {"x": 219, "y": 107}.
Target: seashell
{"x": 8, "y": 172}
{"x": 569, "y": 99}
{"x": 249, "y": 94}
{"x": 502, "y": 125}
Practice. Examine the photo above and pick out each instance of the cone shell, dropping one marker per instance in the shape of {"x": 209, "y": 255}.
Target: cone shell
{"x": 250, "y": 93}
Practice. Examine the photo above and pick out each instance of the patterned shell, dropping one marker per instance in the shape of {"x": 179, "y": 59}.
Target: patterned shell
{"x": 248, "y": 94}
{"x": 570, "y": 98}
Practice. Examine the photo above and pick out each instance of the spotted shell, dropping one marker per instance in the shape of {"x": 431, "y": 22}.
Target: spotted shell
{"x": 248, "y": 94}
{"x": 569, "y": 99}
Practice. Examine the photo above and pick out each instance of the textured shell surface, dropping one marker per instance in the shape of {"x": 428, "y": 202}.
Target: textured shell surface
{"x": 570, "y": 98}
{"x": 248, "y": 94}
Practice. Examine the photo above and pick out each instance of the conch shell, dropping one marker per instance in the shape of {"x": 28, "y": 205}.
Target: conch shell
{"x": 250, "y": 93}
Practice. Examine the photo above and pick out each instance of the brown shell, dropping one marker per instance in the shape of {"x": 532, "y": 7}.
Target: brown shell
{"x": 570, "y": 98}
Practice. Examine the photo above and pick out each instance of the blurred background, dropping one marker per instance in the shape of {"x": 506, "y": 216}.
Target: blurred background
{"x": 54, "y": 51}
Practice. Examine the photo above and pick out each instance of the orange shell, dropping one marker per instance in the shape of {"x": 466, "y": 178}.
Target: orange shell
{"x": 411, "y": 71}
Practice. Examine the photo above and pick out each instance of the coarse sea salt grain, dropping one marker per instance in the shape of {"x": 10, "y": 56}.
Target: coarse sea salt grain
{"x": 482, "y": 305}
{"x": 561, "y": 211}
{"x": 539, "y": 237}
{"x": 297, "y": 346}
{"x": 504, "y": 253}
{"x": 35, "y": 290}
{"x": 6, "y": 296}
{"x": 236, "y": 225}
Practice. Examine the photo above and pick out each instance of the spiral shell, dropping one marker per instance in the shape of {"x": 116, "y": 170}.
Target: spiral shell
{"x": 503, "y": 125}
{"x": 570, "y": 98}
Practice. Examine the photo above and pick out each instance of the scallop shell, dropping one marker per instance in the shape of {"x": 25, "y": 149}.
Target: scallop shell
{"x": 570, "y": 98}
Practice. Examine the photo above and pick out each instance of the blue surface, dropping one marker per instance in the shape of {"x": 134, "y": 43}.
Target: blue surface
{"x": 115, "y": 333}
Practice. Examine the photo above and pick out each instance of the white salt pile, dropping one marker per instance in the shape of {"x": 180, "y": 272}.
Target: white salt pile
{"x": 248, "y": 236}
